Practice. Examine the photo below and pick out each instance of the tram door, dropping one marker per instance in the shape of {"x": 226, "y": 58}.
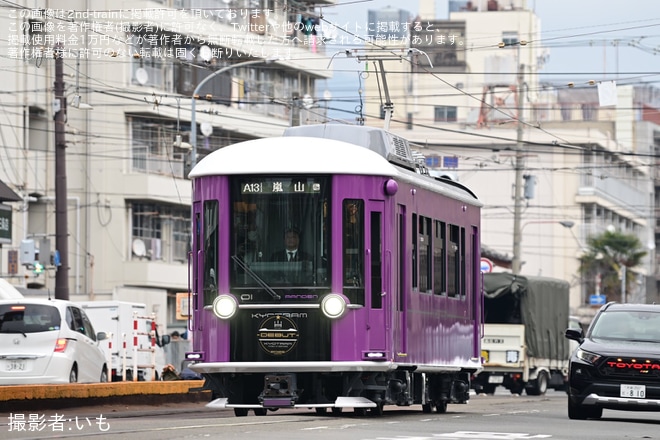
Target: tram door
{"x": 378, "y": 261}
{"x": 398, "y": 303}
{"x": 197, "y": 265}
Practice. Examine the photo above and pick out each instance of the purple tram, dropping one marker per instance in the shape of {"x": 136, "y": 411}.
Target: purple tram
{"x": 378, "y": 299}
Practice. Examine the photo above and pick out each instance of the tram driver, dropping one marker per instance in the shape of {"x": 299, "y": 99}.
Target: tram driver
{"x": 300, "y": 264}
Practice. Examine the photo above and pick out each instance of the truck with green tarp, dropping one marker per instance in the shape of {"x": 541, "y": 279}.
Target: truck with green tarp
{"x": 523, "y": 347}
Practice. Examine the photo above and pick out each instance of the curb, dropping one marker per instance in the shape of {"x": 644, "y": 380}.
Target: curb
{"x": 33, "y": 397}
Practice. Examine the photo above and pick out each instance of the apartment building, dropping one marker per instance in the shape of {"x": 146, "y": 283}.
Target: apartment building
{"x": 124, "y": 122}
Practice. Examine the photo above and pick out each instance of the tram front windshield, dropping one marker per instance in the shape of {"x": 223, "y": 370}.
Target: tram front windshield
{"x": 279, "y": 234}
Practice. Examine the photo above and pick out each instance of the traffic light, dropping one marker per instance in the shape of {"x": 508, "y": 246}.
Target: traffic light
{"x": 38, "y": 268}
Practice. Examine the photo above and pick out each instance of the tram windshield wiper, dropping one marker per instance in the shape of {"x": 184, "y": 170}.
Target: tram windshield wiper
{"x": 254, "y": 276}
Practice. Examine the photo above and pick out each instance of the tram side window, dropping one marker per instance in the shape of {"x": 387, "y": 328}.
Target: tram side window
{"x": 425, "y": 259}
{"x": 353, "y": 230}
{"x": 376, "y": 261}
{"x": 414, "y": 252}
{"x": 199, "y": 244}
{"x": 453, "y": 261}
{"x": 439, "y": 258}
{"x": 210, "y": 251}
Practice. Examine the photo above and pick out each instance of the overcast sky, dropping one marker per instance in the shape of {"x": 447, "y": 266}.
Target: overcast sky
{"x": 587, "y": 39}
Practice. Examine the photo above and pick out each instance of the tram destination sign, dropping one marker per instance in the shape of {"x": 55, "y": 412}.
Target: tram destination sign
{"x": 280, "y": 186}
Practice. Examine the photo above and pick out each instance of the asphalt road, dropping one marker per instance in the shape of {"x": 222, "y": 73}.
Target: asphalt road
{"x": 495, "y": 417}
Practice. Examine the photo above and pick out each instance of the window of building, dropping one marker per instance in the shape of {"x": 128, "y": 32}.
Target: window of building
{"x": 180, "y": 238}
{"x": 38, "y": 129}
{"x": 443, "y": 113}
{"x": 153, "y": 146}
{"x": 37, "y": 39}
{"x": 149, "y": 62}
{"x": 153, "y": 150}
{"x": 589, "y": 112}
{"x": 444, "y": 41}
{"x": 510, "y": 38}
{"x": 162, "y": 232}
{"x": 147, "y": 227}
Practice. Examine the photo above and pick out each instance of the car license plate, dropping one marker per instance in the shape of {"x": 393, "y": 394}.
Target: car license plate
{"x": 636, "y": 391}
{"x": 495, "y": 379}
{"x": 15, "y": 365}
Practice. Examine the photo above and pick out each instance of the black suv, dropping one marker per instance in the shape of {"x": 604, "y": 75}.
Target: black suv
{"x": 617, "y": 364}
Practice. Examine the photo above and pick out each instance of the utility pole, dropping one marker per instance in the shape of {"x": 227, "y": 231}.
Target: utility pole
{"x": 61, "y": 220}
{"x": 622, "y": 274}
{"x": 519, "y": 165}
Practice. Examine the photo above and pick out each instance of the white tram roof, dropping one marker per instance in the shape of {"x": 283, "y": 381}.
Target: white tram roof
{"x": 293, "y": 155}
{"x": 330, "y": 149}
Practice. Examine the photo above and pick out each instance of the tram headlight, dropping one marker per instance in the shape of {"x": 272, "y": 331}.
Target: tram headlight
{"x": 225, "y": 306}
{"x": 333, "y": 306}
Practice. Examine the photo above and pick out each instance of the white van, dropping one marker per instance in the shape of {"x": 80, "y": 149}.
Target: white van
{"x": 116, "y": 318}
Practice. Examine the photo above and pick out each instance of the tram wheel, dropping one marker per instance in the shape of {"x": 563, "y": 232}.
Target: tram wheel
{"x": 260, "y": 411}
{"x": 378, "y": 410}
{"x": 321, "y": 410}
{"x": 240, "y": 412}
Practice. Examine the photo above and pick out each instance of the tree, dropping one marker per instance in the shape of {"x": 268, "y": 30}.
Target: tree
{"x": 606, "y": 254}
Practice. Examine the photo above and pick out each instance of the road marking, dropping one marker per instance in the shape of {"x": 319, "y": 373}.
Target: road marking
{"x": 473, "y": 435}
{"x": 491, "y": 435}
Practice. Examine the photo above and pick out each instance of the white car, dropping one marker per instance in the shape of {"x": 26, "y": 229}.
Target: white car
{"x": 48, "y": 341}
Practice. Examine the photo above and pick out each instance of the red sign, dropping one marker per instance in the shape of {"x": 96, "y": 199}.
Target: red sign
{"x": 486, "y": 265}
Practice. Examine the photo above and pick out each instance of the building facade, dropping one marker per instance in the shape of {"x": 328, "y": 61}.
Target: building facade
{"x": 123, "y": 121}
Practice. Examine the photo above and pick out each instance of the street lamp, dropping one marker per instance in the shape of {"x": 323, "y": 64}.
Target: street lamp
{"x": 193, "y": 122}
{"x": 565, "y": 223}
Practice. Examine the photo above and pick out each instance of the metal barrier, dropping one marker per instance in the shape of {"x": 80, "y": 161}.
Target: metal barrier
{"x": 138, "y": 348}
{"x": 108, "y": 359}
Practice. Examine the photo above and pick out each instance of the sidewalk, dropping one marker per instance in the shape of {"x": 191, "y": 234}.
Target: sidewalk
{"x": 15, "y": 398}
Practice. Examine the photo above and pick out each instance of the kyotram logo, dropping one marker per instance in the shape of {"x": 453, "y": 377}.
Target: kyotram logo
{"x": 277, "y": 335}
